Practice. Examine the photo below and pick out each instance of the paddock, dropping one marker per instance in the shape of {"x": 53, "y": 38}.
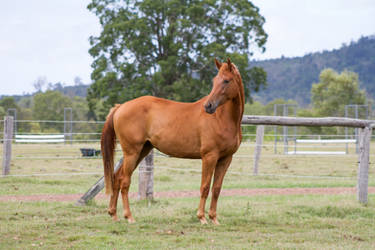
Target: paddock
{"x": 304, "y": 220}
{"x": 258, "y": 220}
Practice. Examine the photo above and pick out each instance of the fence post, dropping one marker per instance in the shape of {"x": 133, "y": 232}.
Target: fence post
{"x": 97, "y": 187}
{"x": 258, "y": 147}
{"x": 7, "y": 143}
{"x": 364, "y": 155}
{"x": 146, "y": 177}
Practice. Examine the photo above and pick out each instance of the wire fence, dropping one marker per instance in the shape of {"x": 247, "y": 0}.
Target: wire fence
{"x": 35, "y": 159}
{"x": 36, "y": 151}
{"x": 69, "y": 156}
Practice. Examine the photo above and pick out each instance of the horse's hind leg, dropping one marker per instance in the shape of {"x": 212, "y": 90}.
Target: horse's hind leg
{"x": 220, "y": 170}
{"x": 112, "y": 209}
{"x": 131, "y": 161}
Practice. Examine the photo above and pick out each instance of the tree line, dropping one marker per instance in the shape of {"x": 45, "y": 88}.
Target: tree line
{"x": 329, "y": 96}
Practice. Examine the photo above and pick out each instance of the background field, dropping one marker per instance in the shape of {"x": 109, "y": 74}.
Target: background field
{"x": 268, "y": 221}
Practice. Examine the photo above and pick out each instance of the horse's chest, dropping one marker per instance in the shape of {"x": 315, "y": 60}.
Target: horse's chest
{"x": 228, "y": 140}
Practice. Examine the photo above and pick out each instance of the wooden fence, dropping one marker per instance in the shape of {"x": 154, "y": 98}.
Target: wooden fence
{"x": 365, "y": 126}
{"x": 146, "y": 170}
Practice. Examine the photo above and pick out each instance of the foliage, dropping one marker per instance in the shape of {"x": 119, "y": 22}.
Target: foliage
{"x": 292, "y": 78}
{"x": 2, "y": 111}
{"x": 21, "y": 113}
{"x": 50, "y": 106}
{"x": 8, "y": 103}
{"x": 257, "y": 108}
{"x": 166, "y": 48}
{"x": 71, "y": 91}
{"x": 81, "y": 111}
{"x": 334, "y": 91}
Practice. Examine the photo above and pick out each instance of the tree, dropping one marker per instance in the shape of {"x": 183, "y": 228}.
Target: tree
{"x": 22, "y": 111}
{"x": 40, "y": 83}
{"x": 334, "y": 91}
{"x": 9, "y": 102}
{"x": 50, "y": 106}
{"x": 2, "y": 112}
{"x": 78, "y": 81}
{"x": 166, "y": 48}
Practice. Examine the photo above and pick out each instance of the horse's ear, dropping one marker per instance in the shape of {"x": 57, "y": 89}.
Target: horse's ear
{"x": 229, "y": 64}
{"x": 218, "y": 64}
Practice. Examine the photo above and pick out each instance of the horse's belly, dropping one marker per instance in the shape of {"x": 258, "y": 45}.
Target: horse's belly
{"x": 180, "y": 153}
{"x": 178, "y": 146}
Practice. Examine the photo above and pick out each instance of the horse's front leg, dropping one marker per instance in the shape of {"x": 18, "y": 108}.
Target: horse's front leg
{"x": 220, "y": 170}
{"x": 208, "y": 165}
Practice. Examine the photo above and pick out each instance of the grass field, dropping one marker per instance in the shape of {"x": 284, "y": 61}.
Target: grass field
{"x": 264, "y": 222}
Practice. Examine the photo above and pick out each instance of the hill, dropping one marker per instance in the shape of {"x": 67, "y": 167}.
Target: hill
{"x": 70, "y": 91}
{"x": 291, "y": 78}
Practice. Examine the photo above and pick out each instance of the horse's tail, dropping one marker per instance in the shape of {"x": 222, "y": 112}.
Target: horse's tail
{"x": 108, "y": 144}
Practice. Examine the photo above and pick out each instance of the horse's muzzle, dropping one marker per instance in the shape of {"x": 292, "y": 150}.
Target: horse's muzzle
{"x": 210, "y": 108}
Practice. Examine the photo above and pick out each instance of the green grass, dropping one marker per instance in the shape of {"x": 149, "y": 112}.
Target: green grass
{"x": 263, "y": 222}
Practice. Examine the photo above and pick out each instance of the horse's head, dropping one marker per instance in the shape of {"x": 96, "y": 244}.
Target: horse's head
{"x": 224, "y": 88}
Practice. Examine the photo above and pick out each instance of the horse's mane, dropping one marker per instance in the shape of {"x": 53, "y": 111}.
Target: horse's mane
{"x": 240, "y": 87}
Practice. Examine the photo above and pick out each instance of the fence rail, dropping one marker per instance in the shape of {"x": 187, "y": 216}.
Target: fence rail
{"x": 48, "y": 138}
{"x": 307, "y": 121}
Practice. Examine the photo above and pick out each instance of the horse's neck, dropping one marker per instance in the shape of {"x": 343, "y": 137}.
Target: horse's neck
{"x": 233, "y": 110}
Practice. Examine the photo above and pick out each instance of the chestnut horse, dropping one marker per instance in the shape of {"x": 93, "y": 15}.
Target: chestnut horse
{"x": 208, "y": 129}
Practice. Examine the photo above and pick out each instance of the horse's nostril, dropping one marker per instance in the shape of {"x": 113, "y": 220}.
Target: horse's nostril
{"x": 209, "y": 107}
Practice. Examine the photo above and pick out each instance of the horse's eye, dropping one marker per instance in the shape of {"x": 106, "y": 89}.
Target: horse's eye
{"x": 226, "y": 81}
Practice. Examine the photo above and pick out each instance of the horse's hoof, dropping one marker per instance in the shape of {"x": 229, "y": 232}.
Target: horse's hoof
{"x": 114, "y": 218}
{"x": 131, "y": 220}
{"x": 203, "y": 221}
{"x": 215, "y": 221}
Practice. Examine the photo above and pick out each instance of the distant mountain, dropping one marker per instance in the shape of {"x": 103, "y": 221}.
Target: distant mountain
{"x": 71, "y": 91}
{"x": 291, "y": 78}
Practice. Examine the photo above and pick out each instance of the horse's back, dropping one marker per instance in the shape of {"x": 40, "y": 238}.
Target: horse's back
{"x": 172, "y": 127}
{"x": 147, "y": 107}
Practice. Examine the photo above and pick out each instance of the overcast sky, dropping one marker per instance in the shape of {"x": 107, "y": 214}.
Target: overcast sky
{"x": 49, "y": 38}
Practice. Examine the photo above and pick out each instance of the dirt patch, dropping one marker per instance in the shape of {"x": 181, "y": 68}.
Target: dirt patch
{"x": 182, "y": 194}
